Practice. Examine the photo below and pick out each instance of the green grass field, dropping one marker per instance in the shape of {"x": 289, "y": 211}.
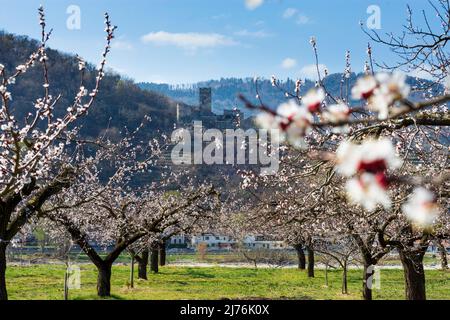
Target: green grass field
{"x": 44, "y": 282}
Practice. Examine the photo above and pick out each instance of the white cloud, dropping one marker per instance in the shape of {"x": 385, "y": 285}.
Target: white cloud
{"x": 253, "y": 34}
{"x": 289, "y": 63}
{"x": 253, "y": 4}
{"x": 289, "y": 13}
{"x": 310, "y": 71}
{"x": 302, "y": 19}
{"x": 190, "y": 41}
{"x": 121, "y": 45}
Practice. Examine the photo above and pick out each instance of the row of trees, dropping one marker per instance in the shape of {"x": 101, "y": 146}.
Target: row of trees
{"x": 87, "y": 191}
{"x": 366, "y": 171}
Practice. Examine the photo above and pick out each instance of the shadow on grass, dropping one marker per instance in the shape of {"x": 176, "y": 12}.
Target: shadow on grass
{"x": 95, "y": 297}
{"x": 196, "y": 273}
{"x": 275, "y": 299}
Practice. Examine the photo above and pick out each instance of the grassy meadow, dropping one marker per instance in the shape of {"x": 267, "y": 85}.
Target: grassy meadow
{"x": 45, "y": 282}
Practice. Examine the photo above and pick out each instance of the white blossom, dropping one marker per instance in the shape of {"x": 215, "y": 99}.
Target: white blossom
{"x": 293, "y": 121}
{"x": 372, "y": 156}
{"x": 367, "y": 165}
{"x": 421, "y": 208}
{"x": 313, "y": 99}
{"x": 391, "y": 88}
{"x": 21, "y": 68}
{"x": 337, "y": 113}
{"x": 364, "y": 88}
{"x": 367, "y": 191}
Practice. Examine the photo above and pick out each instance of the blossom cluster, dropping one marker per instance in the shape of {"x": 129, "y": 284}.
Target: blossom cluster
{"x": 382, "y": 91}
{"x": 294, "y": 120}
{"x": 367, "y": 165}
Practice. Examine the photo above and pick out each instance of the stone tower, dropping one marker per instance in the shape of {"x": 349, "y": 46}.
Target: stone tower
{"x": 205, "y": 100}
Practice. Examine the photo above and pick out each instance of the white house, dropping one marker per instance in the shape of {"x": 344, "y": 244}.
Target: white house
{"x": 179, "y": 240}
{"x": 213, "y": 242}
{"x": 223, "y": 242}
{"x": 260, "y": 242}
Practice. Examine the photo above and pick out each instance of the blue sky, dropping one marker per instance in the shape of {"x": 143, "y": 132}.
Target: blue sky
{"x": 184, "y": 41}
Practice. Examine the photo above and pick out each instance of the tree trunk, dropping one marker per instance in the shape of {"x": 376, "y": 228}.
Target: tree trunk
{"x": 301, "y": 256}
{"x": 132, "y": 272}
{"x": 310, "y": 253}
{"x": 66, "y": 283}
{"x": 162, "y": 254}
{"x": 344, "y": 280}
{"x": 3, "y": 291}
{"x": 326, "y": 274}
{"x": 104, "y": 280}
{"x": 142, "y": 267}
{"x": 154, "y": 260}
{"x": 443, "y": 254}
{"x": 369, "y": 272}
{"x": 414, "y": 274}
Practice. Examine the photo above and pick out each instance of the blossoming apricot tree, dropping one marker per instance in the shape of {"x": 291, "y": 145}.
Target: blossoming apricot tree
{"x": 382, "y": 145}
{"x": 31, "y": 169}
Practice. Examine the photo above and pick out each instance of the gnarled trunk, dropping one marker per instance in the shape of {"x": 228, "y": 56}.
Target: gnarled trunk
{"x": 3, "y": 291}
{"x": 104, "y": 280}
{"x": 142, "y": 265}
{"x": 414, "y": 274}
{"x": 369, "y": 272}
{"x": 162, "y": 254}
{"x": 310, "y": 253}
{"x": 301, "y": 256}
{"x": 154, "y": 260}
